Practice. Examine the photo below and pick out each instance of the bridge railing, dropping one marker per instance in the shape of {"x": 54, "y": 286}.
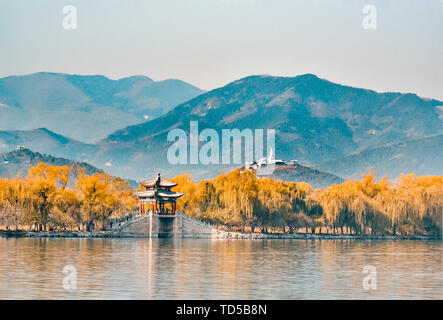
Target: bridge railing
{"x": 122, "y": 221}
{"x": 204, "y": 224}
{"x": 134, "y": 216}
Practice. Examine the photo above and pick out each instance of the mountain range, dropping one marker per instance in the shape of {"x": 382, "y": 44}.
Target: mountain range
{"x": 86, "y": 108}
{"x": 315, "y": 121}
{"x": 47, "y": 142}
{"x": 299, "y": 173}
{"x": 335, "y": 128}
{"x": 421, "y": 156}
{"x": 18, "y": 162}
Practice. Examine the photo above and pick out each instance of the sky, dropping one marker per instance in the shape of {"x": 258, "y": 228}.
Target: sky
{"x": 210, "y": 43}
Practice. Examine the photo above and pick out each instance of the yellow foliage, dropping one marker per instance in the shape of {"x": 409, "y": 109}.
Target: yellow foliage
{"x": 44, "y": 199}
{"x": 364, "y": 206}
{"x": 411, "y": 205}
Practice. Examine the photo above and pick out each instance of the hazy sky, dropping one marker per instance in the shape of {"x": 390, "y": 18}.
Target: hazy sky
{"x": 212, "y": 42}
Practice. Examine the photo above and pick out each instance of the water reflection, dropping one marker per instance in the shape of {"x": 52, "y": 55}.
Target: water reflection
{"x": 219, "y": 269}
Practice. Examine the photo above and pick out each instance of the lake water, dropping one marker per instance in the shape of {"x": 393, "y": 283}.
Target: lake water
{"x": 219, "y": 269}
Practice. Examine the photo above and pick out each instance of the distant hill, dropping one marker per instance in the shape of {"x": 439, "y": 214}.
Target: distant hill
{"x": 315, "y": 121}
{"x": 20, "y": 161}
{"x": 299, "y": 173}
{"x": 86, "y": 108}
{"x": 46, "y": 141}
{"x": 421, "y": 156}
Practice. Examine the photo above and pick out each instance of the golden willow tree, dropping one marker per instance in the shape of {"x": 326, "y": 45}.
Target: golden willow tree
{"x": 64, "y": 198}
{"x": 13, "y": 202}
{"x": 413, "y": 206}
{"x": 52, "y": 197}
{"x": 240, "y": 199}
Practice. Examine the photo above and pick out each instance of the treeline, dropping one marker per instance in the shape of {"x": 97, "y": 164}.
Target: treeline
{"x": 412, "y": 206}
{"x": 65, "y": 198}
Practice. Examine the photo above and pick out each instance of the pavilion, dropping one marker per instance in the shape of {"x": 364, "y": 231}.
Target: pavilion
{"x": 157, "y": 195}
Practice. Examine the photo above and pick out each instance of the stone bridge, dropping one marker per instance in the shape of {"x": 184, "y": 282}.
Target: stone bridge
{"x": 163, "y": 226}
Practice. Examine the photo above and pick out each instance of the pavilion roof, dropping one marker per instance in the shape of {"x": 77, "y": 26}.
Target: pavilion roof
{"x": 158, "y": 194}
{"x": 158, "y": 182}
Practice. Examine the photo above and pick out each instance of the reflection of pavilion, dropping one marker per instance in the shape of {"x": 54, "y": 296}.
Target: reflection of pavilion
{"x": 157, "y": 194}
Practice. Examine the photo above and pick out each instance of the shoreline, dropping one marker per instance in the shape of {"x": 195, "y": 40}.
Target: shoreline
{"x": 216, "y": 235}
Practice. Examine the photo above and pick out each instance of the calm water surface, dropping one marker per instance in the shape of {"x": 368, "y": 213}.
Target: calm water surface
{"x": 219, "y": 269}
